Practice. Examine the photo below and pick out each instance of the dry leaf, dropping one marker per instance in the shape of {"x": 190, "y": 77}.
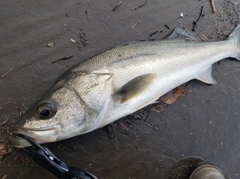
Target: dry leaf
{"x": 157, "y": 108}
{"x": 5, "y": 149}
{"x": 173, "y": 95}
{"x": 51, "y": 44}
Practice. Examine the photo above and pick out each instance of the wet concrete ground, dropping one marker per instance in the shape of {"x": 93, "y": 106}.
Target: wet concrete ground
{"x": 203, "y": 123}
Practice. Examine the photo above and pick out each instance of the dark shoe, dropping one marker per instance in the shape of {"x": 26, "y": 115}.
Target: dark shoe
{"x": 207, "y": 171}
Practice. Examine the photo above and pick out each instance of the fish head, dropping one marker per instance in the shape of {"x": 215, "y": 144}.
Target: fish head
{"x": 50, "y": 120}
{"x": 65, "y": 111}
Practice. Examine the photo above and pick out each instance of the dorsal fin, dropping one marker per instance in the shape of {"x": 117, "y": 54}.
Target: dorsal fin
{"x": 183, "y": 33}
{"x": 133, "y": 42}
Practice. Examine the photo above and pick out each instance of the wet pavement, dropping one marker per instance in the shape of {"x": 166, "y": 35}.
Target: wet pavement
{"x": 203, "y": 125}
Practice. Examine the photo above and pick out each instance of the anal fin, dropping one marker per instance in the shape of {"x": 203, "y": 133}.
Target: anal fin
{"x": 134, "y": 87}
{"x": 206, "y": 77}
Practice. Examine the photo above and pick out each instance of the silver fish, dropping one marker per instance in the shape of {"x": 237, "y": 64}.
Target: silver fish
{"x": 119, "y": 82}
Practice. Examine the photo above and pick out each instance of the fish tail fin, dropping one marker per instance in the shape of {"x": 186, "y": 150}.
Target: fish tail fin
{"x": 235, "y": 38}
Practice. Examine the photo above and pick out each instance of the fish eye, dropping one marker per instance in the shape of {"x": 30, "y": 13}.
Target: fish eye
{"x": 45, "y": 110}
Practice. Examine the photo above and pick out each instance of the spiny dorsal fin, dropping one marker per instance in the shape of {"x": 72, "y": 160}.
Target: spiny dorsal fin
{"x": 134, "y": 87}
{"x": 132, "y": 42}
{"x": 183, "y": 33}
{"x": 206, "y": 77}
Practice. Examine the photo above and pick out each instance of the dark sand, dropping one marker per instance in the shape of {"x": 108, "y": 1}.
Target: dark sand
{"x": 203, "y": 123}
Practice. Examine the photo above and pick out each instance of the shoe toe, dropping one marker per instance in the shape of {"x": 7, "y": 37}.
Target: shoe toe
{"x": 207, "y": 172}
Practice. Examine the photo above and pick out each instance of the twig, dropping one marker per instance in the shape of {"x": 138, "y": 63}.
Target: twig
{"x": 64, "y": 58}
{"x": 140, "y": 6}
{"x": 4, "y": 122}
{"x": 200, "y": 15}
{"x": 8, "y": 124}
{"x": 153, "y": 33}
{"x": 7, "y": 73}
{"x": 196, "y": 7}
{"x": 166, "y": 26}
{"x": 94, "y": 161}
{"x": 86, "y": 15}
{"x": 134, "y": 25}
{"x": 117, "y": 6}
{"x": 195, "y": 22}
{"x": 213, "y": 6}
{"x": 123, "y": 126}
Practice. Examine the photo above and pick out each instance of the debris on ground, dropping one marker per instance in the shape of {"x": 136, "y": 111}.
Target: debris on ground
{"x": 123, "y": 126}
{"x": 181, "y": 15}
{"x": 64, "y": 58}
{"x": 157, "y": 108}
{"x": 213, "y": 6}
{"x": 51, "y": 44}
{"x": 82, "y": 39}
{"x": 72, "y": 40}
{"x": 5, "y": 149}
{"x": 166, "y": 26}
{"x": 139, "y": 6}
{"x": 7, "y": 73}
{"x": 195, "y": 22}
{"x": 153, "y": 34}
{"x": 117, "y": 6}
{"x": 134, "y": 25}
{"x": 3, "y": 123}
{"x": 173, "y": 95}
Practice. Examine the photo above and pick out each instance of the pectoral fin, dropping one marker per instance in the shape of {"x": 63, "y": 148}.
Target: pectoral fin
{"x": 134, "y": 87}
{"x": 206, "y": 77}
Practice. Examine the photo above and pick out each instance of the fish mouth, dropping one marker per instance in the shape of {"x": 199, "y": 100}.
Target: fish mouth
{"x": 40, "y": 135}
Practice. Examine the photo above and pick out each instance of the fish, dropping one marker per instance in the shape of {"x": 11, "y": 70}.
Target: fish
{"x": 120, "y": 81}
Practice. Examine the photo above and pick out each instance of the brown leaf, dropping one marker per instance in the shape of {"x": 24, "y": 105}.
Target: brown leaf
{"x": 173, "y": 95}
{"x": 4, "y": 177}
{"x": 5, "y": 149}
